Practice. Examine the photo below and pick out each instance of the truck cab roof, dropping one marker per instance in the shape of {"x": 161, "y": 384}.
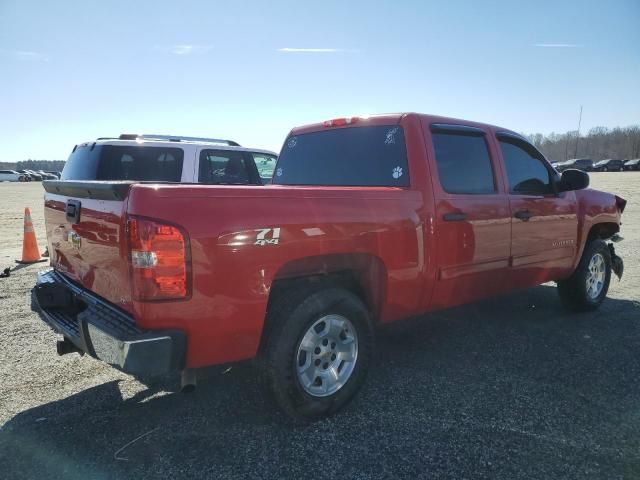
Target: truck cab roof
{"x": 391, "y": 119}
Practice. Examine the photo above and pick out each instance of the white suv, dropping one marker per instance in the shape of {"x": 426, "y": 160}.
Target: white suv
{"x": 12, "y": 176}
{"x": 168, "y": 158}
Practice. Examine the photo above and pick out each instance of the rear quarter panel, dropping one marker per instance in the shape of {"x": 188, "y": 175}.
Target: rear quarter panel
{"x": 232, "y": 275}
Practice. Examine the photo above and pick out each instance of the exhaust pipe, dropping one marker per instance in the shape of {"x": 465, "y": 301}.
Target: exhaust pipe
{"x": 65, "y": 346}
{"x": 188, "y": 380}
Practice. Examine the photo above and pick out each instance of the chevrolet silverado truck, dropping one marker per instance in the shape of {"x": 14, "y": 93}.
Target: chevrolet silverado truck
{"x": 366, "y": 221}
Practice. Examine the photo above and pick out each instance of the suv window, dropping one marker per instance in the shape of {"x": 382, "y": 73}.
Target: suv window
{"x": 115, "y": 162}
{"x": 463, "y": 163}
{"x": 526, "y": 171}
{"x": 265, "y": 164}
{"x": 353, "y": 156}
{"x": 225, "y": 167}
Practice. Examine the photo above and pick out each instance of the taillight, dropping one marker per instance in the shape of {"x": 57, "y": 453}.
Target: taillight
{"x": 159, "y": 259}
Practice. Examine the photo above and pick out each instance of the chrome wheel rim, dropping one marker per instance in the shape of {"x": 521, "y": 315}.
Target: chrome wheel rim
{"x": 595, "y": 276}
{"x": 326, "y": 355}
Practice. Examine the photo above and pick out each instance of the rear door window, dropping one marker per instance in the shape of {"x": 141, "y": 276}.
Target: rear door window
{"x": 226, "y": 167}
{"x": 354, "y": 156}
{"x": 115, "y": 162}
{"x": 464, "y": 165}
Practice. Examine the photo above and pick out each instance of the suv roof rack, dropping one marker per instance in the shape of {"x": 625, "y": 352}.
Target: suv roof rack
{"x": 175, "y": 138}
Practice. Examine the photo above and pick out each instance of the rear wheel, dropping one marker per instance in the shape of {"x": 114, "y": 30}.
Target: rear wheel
{"x": 317, "y": 351}
{"x": 587, "y": 288}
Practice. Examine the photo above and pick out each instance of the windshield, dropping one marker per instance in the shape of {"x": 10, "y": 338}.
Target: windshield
{"x": 356, "y": 156}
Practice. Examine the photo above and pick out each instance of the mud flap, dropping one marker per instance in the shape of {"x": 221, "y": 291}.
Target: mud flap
{"x": 617, "y": 265}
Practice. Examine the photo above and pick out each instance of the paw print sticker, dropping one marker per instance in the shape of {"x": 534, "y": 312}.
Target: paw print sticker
{"x": 292, "y": 142}
{"x": 397, "y": 172}
{"x": 279, "y": 172}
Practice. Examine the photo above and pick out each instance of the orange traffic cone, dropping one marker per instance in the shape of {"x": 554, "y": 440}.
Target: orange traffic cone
{"x": 30, "y": 252}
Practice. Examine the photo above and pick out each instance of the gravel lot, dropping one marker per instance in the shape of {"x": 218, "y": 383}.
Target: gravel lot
{"x": 513, "y": 387}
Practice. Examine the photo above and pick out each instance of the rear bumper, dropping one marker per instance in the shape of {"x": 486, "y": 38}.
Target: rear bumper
{"x": 103, "y": 331}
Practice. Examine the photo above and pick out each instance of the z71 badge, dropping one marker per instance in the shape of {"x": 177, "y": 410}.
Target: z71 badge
{"x": 267, "y": 236}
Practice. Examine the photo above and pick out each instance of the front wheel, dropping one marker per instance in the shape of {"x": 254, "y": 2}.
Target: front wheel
{"x": 317, "y": 351}
{"x": 587, "y": 288}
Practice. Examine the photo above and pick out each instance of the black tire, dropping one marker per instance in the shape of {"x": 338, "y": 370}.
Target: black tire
{"x": 573, "y": 291}
{"x": 289, "y": 319}
{"x": 605, "y": 169}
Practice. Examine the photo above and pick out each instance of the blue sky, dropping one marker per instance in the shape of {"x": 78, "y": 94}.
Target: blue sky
{"x": 71, "y": 71}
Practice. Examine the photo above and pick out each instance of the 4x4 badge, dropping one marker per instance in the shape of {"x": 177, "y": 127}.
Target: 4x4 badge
{"x": 263, "y": 234}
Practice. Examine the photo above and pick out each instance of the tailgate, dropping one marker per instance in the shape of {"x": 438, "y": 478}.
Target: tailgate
{"x": 86, "y": 233}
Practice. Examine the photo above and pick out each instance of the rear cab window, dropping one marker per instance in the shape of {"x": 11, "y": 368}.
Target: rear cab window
{"x": 124, "y": 162}
{"x": 373, "y": 156}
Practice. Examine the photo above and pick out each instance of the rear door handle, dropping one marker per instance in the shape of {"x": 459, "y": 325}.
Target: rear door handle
{"x": 454, "y": 217}
{"x": 524, "y": 215}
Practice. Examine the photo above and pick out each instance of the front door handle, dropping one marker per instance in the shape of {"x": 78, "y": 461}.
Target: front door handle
{"x": 454, "y": 217}
{"x": 524, "y": 215}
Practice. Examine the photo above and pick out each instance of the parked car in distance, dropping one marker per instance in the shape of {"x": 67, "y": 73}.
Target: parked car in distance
{"x": 584, "y": 164}
{"x": 367, "y": 221}
{"x": 27, "y": 175}
{"x": 33, "y": 176}
{"x": 632, "y": 164}
{"x": 47, "y": 176}
{"x": 57, "y": 174}
{"x": 608, "y": 165}
{"x": 12, "y": 176}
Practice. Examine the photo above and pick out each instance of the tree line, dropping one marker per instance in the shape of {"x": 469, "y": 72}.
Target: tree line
{"x": 46, "y": 165}
{"x": 621, "y": 143}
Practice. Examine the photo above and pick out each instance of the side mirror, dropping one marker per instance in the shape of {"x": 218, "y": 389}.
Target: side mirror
{"x": 572, "y": 179}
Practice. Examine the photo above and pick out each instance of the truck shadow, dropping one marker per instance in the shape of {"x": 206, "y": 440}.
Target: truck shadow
{"x": 510, "y": 366}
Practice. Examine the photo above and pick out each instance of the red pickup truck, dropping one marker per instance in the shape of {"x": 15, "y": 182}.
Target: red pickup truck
{"x": 367, "y": 221}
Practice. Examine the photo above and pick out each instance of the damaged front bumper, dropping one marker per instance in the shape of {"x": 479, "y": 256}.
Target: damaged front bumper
{"x": 91, "y": 325}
